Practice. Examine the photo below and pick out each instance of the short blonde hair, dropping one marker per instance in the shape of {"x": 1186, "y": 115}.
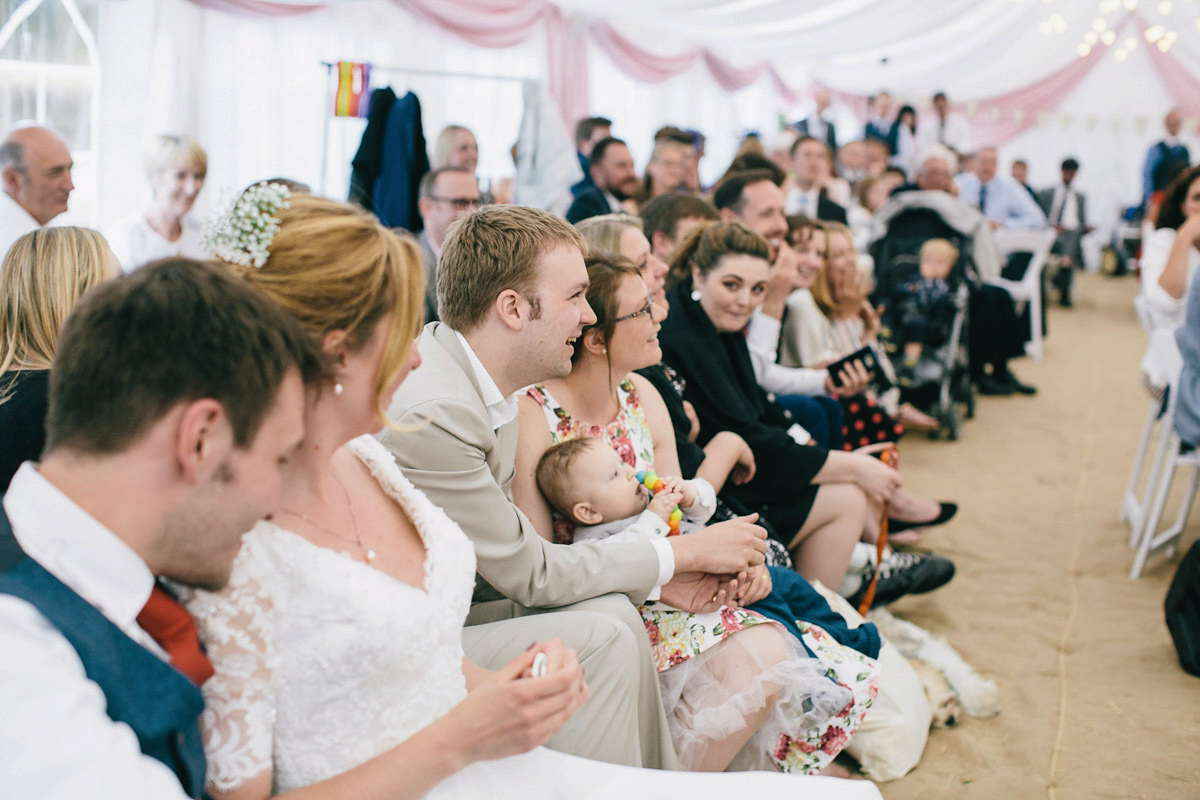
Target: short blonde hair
{"x": 168, "y": 149}
{"x": 605, "y": 231}
{"x": 935, "y": 247}
{"x": 492, "y": 250}
{"x": 554, "y": 475}
{"x": 43, "y": 276}
{"x": 445, "y": 142}
{"x": 333, "y": 266}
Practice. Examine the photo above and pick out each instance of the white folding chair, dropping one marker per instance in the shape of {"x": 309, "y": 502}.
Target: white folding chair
{"x": 1150, "y": 540}
{"x": 1038, "y": 243}
{"x": 1160, "y": 366}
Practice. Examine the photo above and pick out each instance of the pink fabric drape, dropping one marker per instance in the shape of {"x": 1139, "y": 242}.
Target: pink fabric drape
{"x": 1002, "y": 117}
{"x": 257, "y": 8}
{"x": 484, "y": 23}
{"x": 636, "y": 62}
{"x": 729, "y": 77}
{"x": 1181, "y": 85}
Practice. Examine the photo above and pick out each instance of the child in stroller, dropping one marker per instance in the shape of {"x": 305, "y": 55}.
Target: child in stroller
{"x": 924, "y": 311}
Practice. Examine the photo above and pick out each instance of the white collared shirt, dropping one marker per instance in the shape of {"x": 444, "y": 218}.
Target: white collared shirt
{"x": 799, "y": 201}
{"x": 57, "y": 740}
{"x": 15, "y": 222}
{"x": 503, "y": 410}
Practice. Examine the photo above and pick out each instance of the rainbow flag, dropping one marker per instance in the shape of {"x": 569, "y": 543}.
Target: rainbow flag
{"x": 353, "y": 89}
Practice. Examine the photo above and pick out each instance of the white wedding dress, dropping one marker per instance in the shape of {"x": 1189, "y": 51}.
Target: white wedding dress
{"x": 323, "y": 662}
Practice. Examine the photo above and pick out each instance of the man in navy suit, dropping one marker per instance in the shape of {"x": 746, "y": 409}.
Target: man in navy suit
{"x": 588, "y": 131}
{"x": 175, "y": 401}
{"x": 1165, "y": 159}
{"x": 818, "y": 125}
{"x": 615, "y": 180}
{"x": 810, "y": 163}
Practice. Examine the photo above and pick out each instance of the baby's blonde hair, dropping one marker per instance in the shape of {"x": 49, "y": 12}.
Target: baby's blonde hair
{"x": 554, "y": 475}
{"x": 939, "y": 247}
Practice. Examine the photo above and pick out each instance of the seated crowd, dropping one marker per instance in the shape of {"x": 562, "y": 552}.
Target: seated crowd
{"x": 654, "y": 441}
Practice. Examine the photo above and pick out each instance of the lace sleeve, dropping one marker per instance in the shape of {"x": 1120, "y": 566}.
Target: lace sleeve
{"x": 239, "y": 715}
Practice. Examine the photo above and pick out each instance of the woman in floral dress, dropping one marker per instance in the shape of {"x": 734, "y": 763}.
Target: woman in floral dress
{"x": 748, "y": 700}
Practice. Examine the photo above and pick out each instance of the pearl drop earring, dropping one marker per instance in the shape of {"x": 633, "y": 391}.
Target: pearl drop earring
{"x": 696, "y": 295}
{"x": 338, "y": 388}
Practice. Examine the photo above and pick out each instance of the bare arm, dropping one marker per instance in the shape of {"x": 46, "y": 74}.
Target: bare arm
{"x": 724, "y": 453}
{"x": 1173, "y": 279}
{"x": 532, "y": 441}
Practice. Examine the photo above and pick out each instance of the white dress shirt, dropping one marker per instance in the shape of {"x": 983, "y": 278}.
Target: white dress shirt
{"x": 799, "y": 201}
{"x": 503, "y": 410}
{"x": 1065, "y": 209}
{"x": 953, "y": 132}
{"x": 57, "y": 740}
{"x": 15, "y": 222}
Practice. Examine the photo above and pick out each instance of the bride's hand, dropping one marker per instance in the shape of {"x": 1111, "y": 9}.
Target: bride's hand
{"x": 510, "y": 712}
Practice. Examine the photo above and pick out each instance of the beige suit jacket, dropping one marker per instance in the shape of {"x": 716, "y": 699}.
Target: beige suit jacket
{"x": 448, "y": 449}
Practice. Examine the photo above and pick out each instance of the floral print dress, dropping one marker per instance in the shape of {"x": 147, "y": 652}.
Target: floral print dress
{"x": 844, "y": 681}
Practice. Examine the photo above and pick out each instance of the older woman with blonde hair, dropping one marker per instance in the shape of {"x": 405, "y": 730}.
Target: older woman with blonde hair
{"x": 43, "y": 276}
{"x": 176, "y": 167}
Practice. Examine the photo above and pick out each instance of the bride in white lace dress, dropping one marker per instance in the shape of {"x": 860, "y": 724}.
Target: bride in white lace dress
{"x": 337, "y": 643}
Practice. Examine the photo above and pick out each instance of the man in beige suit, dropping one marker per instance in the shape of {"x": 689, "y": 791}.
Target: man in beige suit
{"x": 511, "y": 292}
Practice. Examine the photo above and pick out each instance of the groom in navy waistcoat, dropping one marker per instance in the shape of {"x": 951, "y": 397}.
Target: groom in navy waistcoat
{"x": 175, "y": 400}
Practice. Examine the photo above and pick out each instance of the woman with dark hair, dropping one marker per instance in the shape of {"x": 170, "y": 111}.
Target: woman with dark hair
{"x": 903, "y": 140}
{"x": 1171, "y": 254}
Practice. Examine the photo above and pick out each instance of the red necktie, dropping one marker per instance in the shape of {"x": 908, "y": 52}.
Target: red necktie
{"x": 173, "y": 628}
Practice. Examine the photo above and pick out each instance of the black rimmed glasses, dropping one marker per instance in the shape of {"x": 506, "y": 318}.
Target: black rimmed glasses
{"x": 647, "y": 309}
{"x": 459, "y": 203}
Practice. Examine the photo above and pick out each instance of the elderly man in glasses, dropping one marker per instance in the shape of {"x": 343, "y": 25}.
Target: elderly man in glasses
{"x": 445, "y": 195}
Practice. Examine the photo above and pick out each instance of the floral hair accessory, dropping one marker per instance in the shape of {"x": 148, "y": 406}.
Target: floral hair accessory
{"x": 242, "y": 235}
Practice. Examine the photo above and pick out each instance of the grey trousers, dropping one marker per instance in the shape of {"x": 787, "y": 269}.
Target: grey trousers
{"x": 622, "y": 721}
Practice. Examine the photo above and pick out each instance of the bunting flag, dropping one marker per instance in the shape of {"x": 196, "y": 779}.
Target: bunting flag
{"x": 353, "y": 89}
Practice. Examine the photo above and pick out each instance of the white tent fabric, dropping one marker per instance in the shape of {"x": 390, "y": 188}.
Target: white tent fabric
{"x": 253, "y": 91}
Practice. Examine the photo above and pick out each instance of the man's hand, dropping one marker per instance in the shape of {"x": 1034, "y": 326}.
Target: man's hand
{"x": 782, "y": 280}
{"x": 854, "y": 380}
{"x": 699, "y": 592}
{"x": 726, "y": 548}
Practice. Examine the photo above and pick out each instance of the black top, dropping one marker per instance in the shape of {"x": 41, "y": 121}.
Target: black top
{"x": 722, "y": 387}
{"x": 22, "y": 419}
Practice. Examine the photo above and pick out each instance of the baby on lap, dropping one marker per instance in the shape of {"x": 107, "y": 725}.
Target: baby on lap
{"x": 586, "y": 481}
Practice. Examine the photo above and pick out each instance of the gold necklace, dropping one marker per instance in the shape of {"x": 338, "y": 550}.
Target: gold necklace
{"x": 368, "y": 554}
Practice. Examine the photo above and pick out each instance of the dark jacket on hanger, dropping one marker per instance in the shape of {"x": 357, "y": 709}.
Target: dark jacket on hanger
{"x": 404, "y": 163}
{"x": 368, "y": 161}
